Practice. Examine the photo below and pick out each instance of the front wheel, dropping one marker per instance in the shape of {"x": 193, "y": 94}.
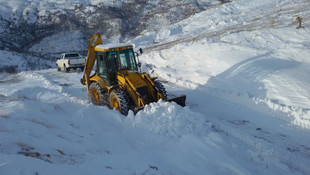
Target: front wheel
{"x": 96, "y": 94}
{"x": 66, "y": 69}
{"x": 160, "y": 87}
{"x": 58, "y": 68}
{"x": 119, "y": 101}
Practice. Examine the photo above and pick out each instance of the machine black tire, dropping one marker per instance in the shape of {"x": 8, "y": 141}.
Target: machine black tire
{"x": 160, "y": 87}
{"x": 119, "y": 100}
{"x": 96, "y": 94}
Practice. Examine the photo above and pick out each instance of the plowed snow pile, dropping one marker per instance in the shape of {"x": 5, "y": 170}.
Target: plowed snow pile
{"x": 168, "y": 119}
{"x": 245, "y": 70}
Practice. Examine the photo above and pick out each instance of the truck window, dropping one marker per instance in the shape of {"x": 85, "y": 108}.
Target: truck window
{"x": 72, "y": 55}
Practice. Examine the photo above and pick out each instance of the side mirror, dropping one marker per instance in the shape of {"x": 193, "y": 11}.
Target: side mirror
{"x": 139, "y": 64}
{"x": 141, "y": 51}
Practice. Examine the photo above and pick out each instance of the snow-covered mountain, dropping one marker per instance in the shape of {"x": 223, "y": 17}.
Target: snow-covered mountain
{"x": 43, "y": 28}
{"x": 25, "y": 23}
{"x": 243, "y": 66}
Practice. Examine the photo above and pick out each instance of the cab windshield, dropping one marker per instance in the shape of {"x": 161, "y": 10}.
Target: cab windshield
{"x": 127, "y": 60}
{"x": 108, "y": 64}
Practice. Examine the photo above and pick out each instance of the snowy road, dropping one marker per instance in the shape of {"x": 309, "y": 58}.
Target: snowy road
{"x": 210, "y": 135}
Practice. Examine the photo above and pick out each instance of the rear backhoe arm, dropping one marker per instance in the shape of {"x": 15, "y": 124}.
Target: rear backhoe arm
{"x": 90, "y": 59}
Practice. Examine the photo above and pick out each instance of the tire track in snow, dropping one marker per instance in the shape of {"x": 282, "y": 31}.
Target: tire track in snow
{"x": 269, "y": 142}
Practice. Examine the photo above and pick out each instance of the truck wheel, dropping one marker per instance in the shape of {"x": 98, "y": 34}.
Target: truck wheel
{"x": 66, "y": 69}
{"x": 96, "y": 94}
{"x": 160, "y": 87}
{"x": 119, "y": 101}
{"x": 58, "y": 68}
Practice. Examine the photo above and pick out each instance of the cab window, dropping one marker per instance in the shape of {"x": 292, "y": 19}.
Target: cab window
{"x": 127, "y": 60}
{"x": 101, "y": 66}
{"x": 112, "y": 61}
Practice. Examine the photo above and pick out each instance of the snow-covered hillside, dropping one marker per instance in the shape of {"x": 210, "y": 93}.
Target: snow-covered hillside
{"x": 24, "y": 24}
{"x": 241, "y": 52}
{"x": 45, "y": 28}
{"x": 245, "y": 70}
{"x": 13, "y": 62}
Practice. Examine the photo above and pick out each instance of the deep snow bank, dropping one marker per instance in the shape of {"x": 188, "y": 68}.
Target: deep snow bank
{"x": 48, "y": 126}
{"x": 169, "y": 119}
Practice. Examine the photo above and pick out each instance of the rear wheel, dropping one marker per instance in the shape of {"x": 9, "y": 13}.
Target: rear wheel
{"x": 160, "y": 87}
{"x": 119, "y": 101}
{"x": 96, "y": 94}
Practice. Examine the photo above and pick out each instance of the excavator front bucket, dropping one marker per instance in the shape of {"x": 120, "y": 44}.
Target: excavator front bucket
{"x": 180, "y": 100}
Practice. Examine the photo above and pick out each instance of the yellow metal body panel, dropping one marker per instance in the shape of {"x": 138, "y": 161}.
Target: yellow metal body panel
{"x": 129, "y": 87}
{"x": 136, "y": 79}
{"x": 131, "y": 81}
{"x": 100, "y": 81}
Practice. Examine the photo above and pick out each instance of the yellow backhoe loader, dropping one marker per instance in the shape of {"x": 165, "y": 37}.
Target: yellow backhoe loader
{"x": 117, "y": 82}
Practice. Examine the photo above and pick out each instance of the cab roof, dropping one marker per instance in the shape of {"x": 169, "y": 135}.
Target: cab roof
{"x": 112, "y": 47}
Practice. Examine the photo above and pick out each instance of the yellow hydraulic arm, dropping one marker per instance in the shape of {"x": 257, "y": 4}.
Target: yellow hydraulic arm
{"x": 90, "y": 59}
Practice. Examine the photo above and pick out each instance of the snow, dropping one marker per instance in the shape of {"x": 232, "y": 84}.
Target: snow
{"x": 22, "y": 61}
{"x": 248, "y": 103}
{"x": 113, "y": 45}
{"x": 58, "y": 43}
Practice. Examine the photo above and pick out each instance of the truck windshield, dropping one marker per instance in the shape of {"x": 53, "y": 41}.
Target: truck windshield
{"x": 127, "y": 60}
{"x": 71, "y": 55}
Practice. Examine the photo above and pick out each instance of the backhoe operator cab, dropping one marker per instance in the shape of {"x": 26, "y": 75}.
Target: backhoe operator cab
{"x": 112, "y": 59}
{"x": 117, "y": 82}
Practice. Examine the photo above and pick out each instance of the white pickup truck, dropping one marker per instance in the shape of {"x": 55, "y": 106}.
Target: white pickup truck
{"x": 69, "y": 61}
